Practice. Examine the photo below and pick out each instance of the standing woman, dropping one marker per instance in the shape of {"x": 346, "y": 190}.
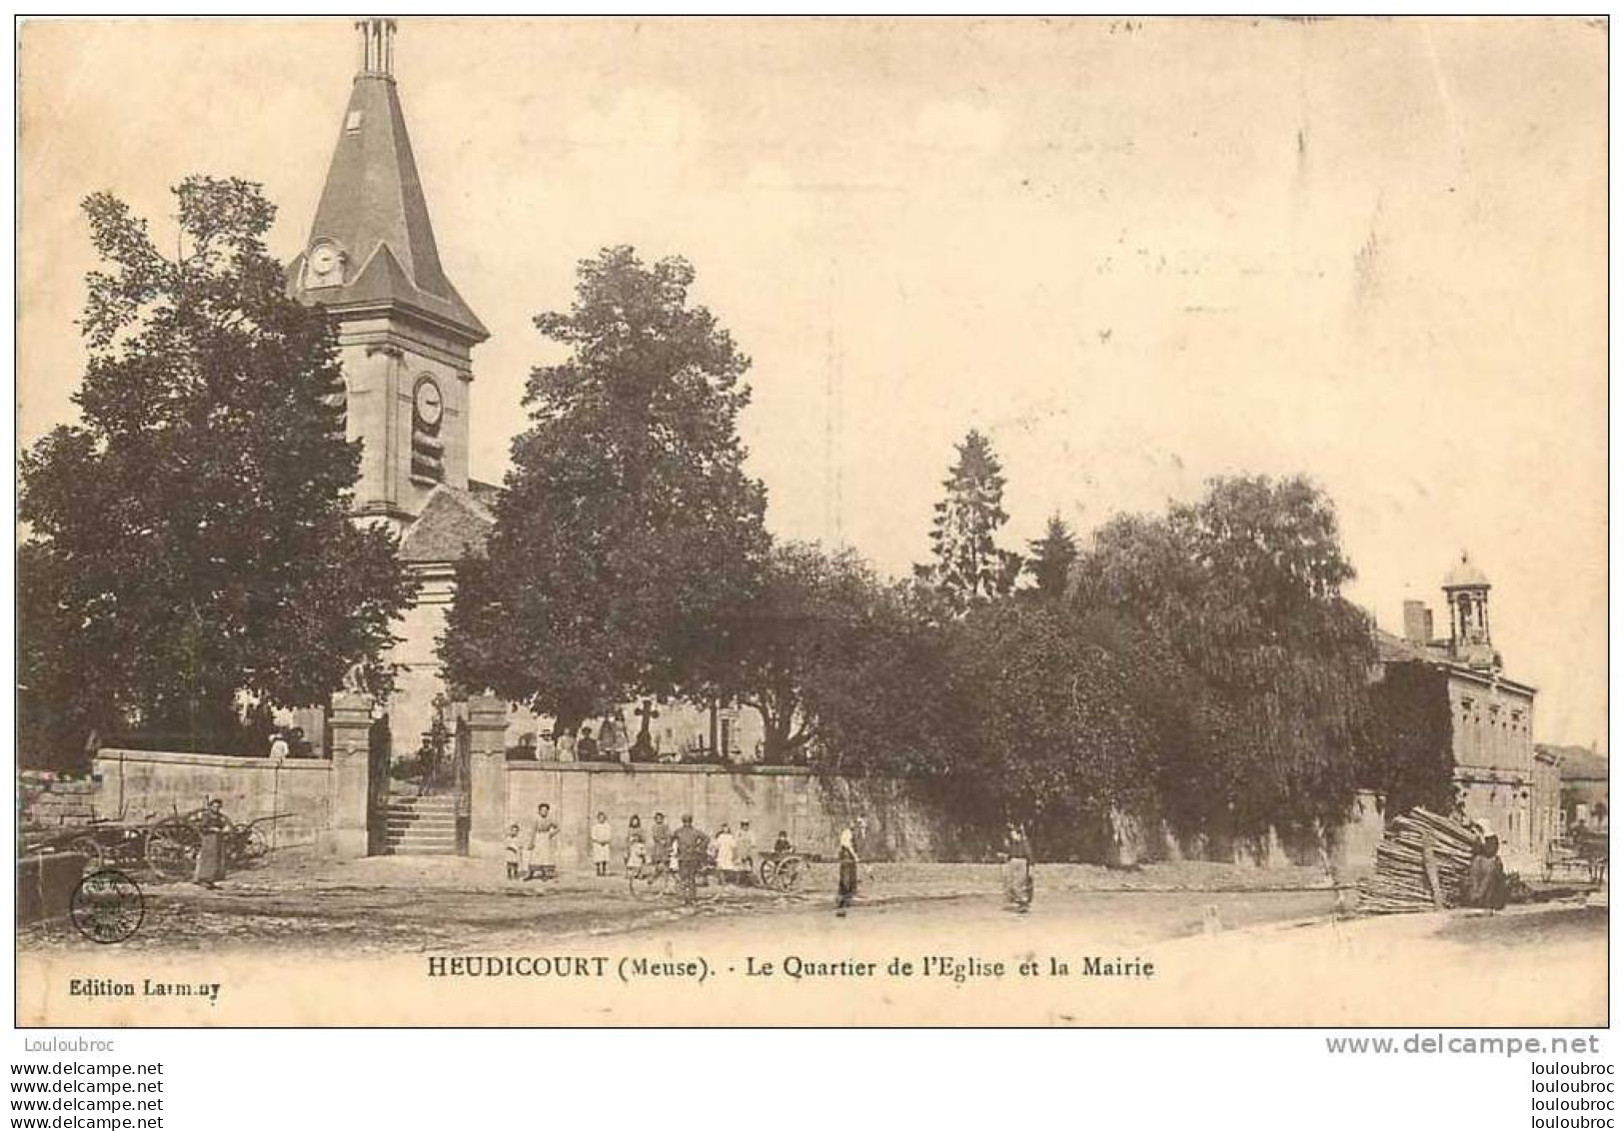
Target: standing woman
{"x": 601, "y": 834}
{"x": 1017, "y": 869}
{"x": 848, "y": 871}
{"x": 636, "y": 845}
{"x": 543, "y": 844}
{"x": 211, "y": 853}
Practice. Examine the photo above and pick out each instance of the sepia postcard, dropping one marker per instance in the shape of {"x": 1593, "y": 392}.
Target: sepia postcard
{"x": 812, "y": 522}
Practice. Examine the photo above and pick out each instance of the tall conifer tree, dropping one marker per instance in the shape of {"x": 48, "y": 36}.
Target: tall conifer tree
{"x": 967, "y": 565}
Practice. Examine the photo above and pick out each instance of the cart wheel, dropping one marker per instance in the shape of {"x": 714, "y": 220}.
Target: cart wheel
{"x": 253, "y": 847}
{"x": 789, "y": 873}
{"x": 769, "y": 871}
{"x": 169, "y": 854}
{"x": 646, "y": 882}
{"x": 91, "y": 849}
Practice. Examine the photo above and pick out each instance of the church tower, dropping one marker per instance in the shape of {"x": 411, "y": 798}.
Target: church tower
{"x": 405, "y": 333}
{"x": 405, "y": 338}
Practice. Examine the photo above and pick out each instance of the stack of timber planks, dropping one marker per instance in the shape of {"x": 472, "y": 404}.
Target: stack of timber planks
{"x": 1403, "y": 880}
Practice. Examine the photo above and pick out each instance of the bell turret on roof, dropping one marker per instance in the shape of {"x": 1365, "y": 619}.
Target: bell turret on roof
{"x": 372, "y": 245}
{"x": 1465, "y": 575}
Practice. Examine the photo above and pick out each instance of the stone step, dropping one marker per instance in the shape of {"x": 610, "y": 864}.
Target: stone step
{"x": 403, "y": 850}
{"x": 447, "y": 845}
{"x": 423, "y": 804}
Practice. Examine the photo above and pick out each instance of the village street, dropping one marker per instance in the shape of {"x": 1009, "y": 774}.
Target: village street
{"x": 390, "y": 904}
{"x": 1229, "y": 945}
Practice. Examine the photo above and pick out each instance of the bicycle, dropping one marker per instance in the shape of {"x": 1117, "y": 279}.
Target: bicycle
{"x": 651, "y": 881}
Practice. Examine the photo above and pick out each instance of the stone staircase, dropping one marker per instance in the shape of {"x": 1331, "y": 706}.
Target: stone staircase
{"x": 420, "y": 826}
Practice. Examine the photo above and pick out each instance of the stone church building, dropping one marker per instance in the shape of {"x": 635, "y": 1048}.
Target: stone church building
{"x": 407, "y": 340}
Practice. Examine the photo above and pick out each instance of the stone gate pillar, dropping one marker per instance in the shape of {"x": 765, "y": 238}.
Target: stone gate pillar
{"x": 487, "y": 777}
{"x": 351, "y": 795}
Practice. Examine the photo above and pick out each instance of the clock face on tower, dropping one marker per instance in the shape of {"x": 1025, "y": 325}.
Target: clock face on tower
{"x": 323, "y": 264}
{"x": 428, "y": 402}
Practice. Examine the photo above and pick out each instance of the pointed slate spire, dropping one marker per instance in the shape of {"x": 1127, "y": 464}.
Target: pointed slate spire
{"x": 372, "y": 246}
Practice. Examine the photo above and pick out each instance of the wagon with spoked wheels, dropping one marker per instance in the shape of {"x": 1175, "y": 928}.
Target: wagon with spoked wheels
{"x": 781, "y": 871}
{"x": 172, "y": 845}
{"x": 103, "y": 844}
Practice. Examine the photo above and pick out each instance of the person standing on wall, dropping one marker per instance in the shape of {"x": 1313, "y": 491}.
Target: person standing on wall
{"x": 586, "y": 749}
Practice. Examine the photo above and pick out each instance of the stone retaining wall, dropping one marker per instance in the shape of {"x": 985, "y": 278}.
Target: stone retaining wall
{"x": 143, "y": 785}
{"x": 812, "y": 809}
{"x": 51, "y": 802}
{"x": 326, "y": 798}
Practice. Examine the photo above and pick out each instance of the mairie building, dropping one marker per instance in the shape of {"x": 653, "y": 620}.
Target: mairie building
{"x": 1501, "y": 779}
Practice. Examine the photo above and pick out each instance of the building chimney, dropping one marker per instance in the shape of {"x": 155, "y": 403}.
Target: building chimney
{"x": 1417, "y": 623}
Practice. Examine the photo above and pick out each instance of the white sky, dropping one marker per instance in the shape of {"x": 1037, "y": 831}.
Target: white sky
{"x": 1136, "y": 256}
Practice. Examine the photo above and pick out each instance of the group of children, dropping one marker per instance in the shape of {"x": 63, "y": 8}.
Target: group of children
{"x": 534, "y": 855}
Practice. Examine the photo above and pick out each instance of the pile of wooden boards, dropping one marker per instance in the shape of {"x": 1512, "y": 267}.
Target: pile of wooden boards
{"x": 1421, "y": 865}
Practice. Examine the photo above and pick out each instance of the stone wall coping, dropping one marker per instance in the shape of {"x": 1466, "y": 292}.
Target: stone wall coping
{"x": 222, "y": 761}
{"x": 531, "y": 766}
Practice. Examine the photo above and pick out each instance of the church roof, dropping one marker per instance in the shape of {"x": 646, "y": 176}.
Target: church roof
{"x": 485, "y": 494}
{"x": 373, "y": 210}
{"x": 1466, "y": 575}
{"x": 451, "y": 526}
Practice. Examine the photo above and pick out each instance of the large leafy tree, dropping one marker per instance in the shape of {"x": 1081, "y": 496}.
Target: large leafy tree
{"x": 1244, "y": 587}
{"x": 890, "y": 706}
{"x": 1063, "y": 722}
{"x": 189, "y": 538}
{"x": 967, "y": 566}
{"x": 628, "y": 529}
{"x": 814, "y": 615}
{"x": 1408, "y": 754}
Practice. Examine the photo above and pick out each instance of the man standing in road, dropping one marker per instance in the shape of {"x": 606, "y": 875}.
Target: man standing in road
{"x": 691, "y": 847}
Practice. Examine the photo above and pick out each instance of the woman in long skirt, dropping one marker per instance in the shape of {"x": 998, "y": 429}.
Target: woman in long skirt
{"x": 636, "y": 845}
{"x": 1017, "y": 869}
{"x": 211, "y": 849}
{"x": 602, "y": 835}
{"x": 848, "y": 872}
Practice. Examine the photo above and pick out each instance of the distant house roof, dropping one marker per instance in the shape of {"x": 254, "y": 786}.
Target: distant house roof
{"x": 1579, "y": 763}
{"x": 1391, "y": 649}
{"x": 451, "y": 527}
